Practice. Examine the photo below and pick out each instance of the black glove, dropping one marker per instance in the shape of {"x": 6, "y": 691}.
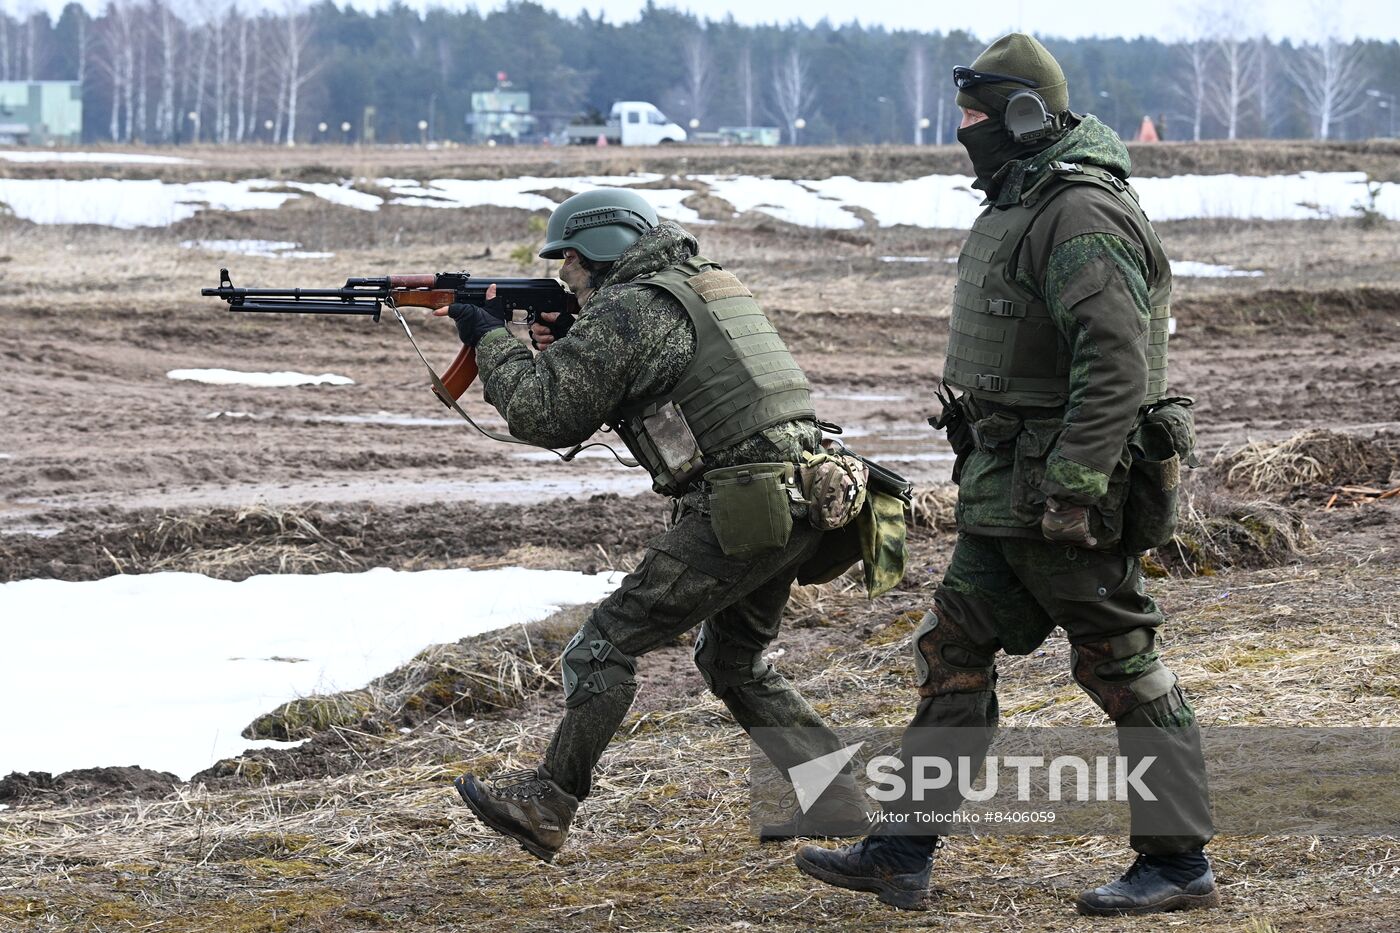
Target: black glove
{"x": 558, "y": 327}
{"x": 1067, "y": 523}
{"x": 475, "y": 322}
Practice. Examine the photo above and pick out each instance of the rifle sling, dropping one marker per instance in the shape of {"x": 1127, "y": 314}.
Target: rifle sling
{"x": 451, "y": 403}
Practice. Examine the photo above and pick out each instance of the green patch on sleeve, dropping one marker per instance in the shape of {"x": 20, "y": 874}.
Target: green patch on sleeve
{"x": 1066, "y": 479}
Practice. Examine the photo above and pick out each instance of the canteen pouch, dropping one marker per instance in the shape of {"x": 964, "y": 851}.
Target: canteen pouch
{"x": 750, "y": 507}
{"x": 1163, "y": 443}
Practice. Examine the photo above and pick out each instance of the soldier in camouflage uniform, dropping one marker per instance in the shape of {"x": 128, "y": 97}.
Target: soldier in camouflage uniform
{"x": 1058, "y": 347}
{"x": 672, "y": 353}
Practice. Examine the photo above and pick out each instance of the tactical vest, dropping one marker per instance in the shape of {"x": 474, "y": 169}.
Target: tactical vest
{"x": 1004, "y": 345}
{"x": 741, "y": 381}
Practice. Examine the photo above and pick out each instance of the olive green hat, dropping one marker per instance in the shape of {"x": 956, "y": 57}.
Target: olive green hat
{"x": 1021, "y": 56}
{"x": 600, "y": 224}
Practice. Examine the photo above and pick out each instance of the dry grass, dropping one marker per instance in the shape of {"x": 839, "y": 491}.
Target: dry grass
{"x": 934, "y": 507}
{"x": 661, "y": 844}
{"x": 1309, "y": 458}
{"x": 1215, "y": 533}
{"x": 499, "y": 671}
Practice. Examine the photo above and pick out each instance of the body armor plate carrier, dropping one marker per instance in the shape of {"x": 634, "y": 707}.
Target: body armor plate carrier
{"x": 1003, "y": 345}
{"x": 741, "y": 381}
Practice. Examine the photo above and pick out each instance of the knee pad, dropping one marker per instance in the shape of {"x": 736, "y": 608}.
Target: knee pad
{"x": 727, "y": 666}
{"x": 592, "y": 665}
{"x": 950, "y": 660}
{"x": 1122, "y": 673}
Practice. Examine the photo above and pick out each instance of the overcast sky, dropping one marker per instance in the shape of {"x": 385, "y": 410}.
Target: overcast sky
{"x": 1294, "y": 19}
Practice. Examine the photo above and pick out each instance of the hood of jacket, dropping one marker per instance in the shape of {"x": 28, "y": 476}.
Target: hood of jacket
{"x": 667, "y": 244}
{"x": 1088, "y": 142}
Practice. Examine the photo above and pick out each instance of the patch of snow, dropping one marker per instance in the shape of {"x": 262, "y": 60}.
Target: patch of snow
{"x": 344, "y": 195}
{"x": 127, "y": 203}
{"x": 1190, "y": 269}
{"x": 946, "y": 201}
{"x": 230, "y": 414}
{"x": 106, "y": 158}
{"x": 230, "y": 377}
{"x": 904, "y": 259}
{"x": 7, "y": 456}
{"x": 1304, "y": 196}
{"x": 272, "y": 249}
{"x": 781, "y": 198}
{"x": 517, "y": 192}
{"x": 175, "y": 665}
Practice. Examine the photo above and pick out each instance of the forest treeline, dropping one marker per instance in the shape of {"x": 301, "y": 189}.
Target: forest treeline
{"x": 155, "y": 73}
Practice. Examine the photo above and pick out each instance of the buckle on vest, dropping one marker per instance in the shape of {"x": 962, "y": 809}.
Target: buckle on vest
{"x": 1066, "y": 168}
{"x": 1001, "y": 307}
{"x": 990, "y": 383}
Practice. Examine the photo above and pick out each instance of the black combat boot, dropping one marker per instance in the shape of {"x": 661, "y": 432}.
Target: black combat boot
{"x": 1154, "y": 884}
{"x": 893, "y": 868}
{"x": 840, "y": 812}
{"x": 525, "y": 805}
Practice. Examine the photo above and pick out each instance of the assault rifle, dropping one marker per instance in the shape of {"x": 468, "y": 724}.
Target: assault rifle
{"x": 369, "y": 295}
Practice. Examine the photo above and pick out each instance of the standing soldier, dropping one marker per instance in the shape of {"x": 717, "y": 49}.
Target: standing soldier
{"x": 672, "y": 352}
{"x": 1058, "y": 346}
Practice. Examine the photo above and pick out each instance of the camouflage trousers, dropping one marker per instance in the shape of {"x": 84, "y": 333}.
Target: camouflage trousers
{"x": 1009, "y": 594}
{"x": 685, "y": 580}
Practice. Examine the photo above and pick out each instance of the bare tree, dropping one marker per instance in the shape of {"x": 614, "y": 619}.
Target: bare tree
{"x": 1332, "y": 79}
{"x": 1237, "y": 82}
{"x": 916, "y": 88}
{"x": 4, "y": 46}
{"x": 166, "y": 29}
{"x": 746, "y": 87}
{"x": 698, "y": 68}
{"x": 240, "y": 80}
{"x": 116, "y": 59}
{"x": 793, "y": 94}
{"x": 1193, "y": 82}
{"x": 296, "y": 37}
{"x": 1266, "y": 84}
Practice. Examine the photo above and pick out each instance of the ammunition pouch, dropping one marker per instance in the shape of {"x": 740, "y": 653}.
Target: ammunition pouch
{"x": 1162, "y": 444}
{"x": 751, "y": 507}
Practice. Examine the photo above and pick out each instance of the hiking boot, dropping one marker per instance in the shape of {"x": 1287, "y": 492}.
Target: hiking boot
{"x": 524, "y": 805}
{"x": 840, "y": 812}
{"x": 1154, "y": 884}
{"x": 879, "y": 865}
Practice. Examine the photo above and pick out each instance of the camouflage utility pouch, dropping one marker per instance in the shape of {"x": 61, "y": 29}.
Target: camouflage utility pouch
{"x": 1162, "y": 445}
{"x": 751, "y": 507}
{"x": 834, "y": 485}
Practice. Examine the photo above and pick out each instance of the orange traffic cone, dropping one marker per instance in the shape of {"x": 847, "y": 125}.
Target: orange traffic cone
{"x": 1147, "y": 133}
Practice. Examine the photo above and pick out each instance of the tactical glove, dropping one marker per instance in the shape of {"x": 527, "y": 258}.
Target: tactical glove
{"x": 558, "y": 327}
{"x": 1067, "y": 523}
{"x": 474, "y": 321}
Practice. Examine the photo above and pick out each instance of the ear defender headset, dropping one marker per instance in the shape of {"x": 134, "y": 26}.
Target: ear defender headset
{"x": 1028, "y": 121}
{"x": 1026, "y": 117}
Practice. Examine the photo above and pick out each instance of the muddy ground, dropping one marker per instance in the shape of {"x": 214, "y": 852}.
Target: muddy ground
{"x": 108, "y": 466}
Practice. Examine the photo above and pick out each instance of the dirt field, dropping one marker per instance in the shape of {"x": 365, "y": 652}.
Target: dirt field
{"x": 107, "y": 466}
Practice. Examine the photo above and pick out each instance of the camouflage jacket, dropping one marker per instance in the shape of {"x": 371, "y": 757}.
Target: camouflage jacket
{"x": 630, "y": 343}
{"x": 1082, "y": 229}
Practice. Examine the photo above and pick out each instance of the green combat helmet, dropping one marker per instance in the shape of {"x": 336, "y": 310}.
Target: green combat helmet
{"x": 600, "y": 224}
